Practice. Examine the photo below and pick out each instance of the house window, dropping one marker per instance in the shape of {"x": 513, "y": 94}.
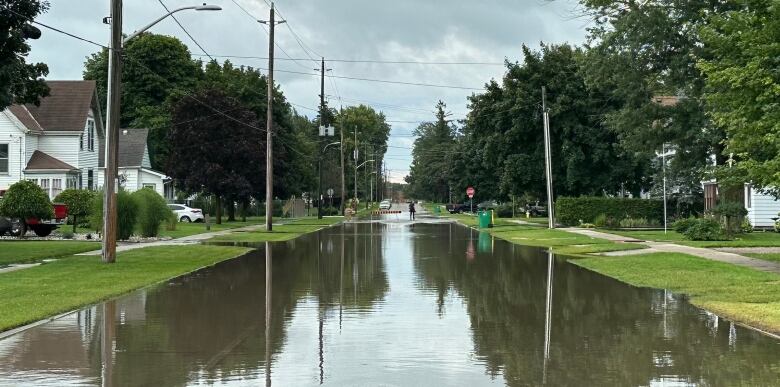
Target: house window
{"x": 150, "y": 185}
{"x": 81, "y": 142}
{"x": 45, "y": 186}
{"x": 81, "y": 180}
{"x": 71, "y": 182}
{"x": 91, "y": 134}
{"x": 3, "y": 158}
{"x": 748, "y": 196}
{"x": 56, "y": 187}
{"x": 90, "y": 179}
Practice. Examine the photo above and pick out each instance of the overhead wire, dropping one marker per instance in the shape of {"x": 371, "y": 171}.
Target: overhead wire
{"x": 185, "y": 30}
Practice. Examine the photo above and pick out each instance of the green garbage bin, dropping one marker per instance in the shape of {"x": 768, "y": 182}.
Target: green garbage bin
{"x": 437, "y": 210}
{"x": 485, "y": 219}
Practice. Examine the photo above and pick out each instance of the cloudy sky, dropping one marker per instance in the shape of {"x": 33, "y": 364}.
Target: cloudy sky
{"x": 487, "y": 32}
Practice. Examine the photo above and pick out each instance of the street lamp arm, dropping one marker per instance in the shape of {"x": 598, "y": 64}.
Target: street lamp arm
{"x": 150, "y": 25}
{"x": 367, "y": 161}
{"x": 333, "y": 143}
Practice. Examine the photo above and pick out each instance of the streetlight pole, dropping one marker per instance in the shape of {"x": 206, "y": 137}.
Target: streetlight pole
{"x": 113, "y": 109}
{"x": 269, "y": 161}
{"x": 548, "y": 162}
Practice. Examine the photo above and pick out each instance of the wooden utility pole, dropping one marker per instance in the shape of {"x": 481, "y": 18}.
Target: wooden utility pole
{"x": 269, "y": 161}
{"x": 548, "y": 161}
{"x": 341, "y": 150}
{"x": 112, "y": 135}
{"x": 319, "y": 138}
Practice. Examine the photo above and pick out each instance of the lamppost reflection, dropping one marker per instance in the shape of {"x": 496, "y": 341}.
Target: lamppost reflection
{"x": 548, "y": 315}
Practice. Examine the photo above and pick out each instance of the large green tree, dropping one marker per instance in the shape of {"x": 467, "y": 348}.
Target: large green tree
{"x": 641, "y": 50}
{"x": 429, "y": 175}
{"x": 373, "y": 131}
{"x": 155, "y": 71}
{"x": 20, "y": 82}
{"x": 743, "y": 86}
{"x": 501, "y": 152}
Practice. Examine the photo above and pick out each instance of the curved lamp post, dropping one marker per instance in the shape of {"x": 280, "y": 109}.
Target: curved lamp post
{"x": 112, "y": 120}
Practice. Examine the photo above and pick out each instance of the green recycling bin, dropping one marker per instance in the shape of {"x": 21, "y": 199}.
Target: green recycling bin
{"x": 485, "y": 219}
{"x": 437, "y": 210}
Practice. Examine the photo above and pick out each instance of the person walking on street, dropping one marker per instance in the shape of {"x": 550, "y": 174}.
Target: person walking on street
{"x": 411, "y": 210}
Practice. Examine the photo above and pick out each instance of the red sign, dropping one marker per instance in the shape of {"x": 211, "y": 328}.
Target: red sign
{"x": 470, "y": 192}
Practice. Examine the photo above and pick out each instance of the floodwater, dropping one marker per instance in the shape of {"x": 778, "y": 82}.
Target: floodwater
{"x": 395, "y": 304}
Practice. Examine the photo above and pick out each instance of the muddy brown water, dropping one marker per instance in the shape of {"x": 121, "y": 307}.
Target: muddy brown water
{"x": 392, "y": 305}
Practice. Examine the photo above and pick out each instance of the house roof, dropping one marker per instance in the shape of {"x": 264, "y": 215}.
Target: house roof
{"x": 40, "y": 161}
{"x": 132, "y": 146}
{"x": 66, "y": 108}
{"x": 25, "y": 117}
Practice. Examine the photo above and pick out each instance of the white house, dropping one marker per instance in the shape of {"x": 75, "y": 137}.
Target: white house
{"x": 761, "y": 207}
{"x": 59, "y": 144}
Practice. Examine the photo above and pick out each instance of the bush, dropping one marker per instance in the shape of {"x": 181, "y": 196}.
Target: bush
{"x": 330, "y": 211}
{"x": 704, "y": 229}
{"x": 152, "y": 211}
{"x": 746, "y": 227}
{"x": 572, "y": 211}
{"x": 634, "y": 222}
{"x": 66, "y": 235}
{"x": 683, "y": 225}
{"x": 504, "y": 211}
{"x": 731, "y": 214}
{"x": 79, "y": 202}
{"x": 127, "y": 212}
{"x": 604, "y": 221}
{"x": 26, "y": 199}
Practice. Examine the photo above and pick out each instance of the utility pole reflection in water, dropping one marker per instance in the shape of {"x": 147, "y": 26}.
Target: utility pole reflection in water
{"x": 548, "y": 315}
{"x": 107, "y": 342}
{"x": 268, "y": 278}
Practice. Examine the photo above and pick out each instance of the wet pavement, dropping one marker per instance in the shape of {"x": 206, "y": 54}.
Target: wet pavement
{"x": 392, "y": 304}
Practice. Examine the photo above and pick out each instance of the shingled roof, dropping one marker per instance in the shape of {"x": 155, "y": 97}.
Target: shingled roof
{"x": 25, "y": 117}
{"x": 40, "y": 161}
{"x": 66, "y": 107}
{"x": 132, "y": 147}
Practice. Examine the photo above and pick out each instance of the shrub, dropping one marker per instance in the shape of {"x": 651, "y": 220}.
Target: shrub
{"x": 66, "y": 235}
{"x": 26, "y": 199}
{"x": 152, "y": 211}
{"x": 746, "y": 227}
{"x": 604, "y": 221}
{"x": 572, "y": 211}
{"x": 683, "y": 225}
{"x": 704, "y": 229}
{"x": 504, "y": 211}
{"x": 731, "y": 214}
{"x": 79, "y": 202}
{"x": 634, "y": 222}
{"x": 127, "y": 212}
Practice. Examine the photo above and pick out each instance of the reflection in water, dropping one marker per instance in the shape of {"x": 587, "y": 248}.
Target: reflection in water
{"x": 433, "y": 304}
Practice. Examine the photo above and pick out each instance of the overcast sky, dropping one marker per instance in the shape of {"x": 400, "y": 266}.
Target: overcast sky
{"x": 397, "y": 30}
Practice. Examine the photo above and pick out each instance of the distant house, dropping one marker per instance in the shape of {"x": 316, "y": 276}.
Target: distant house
{"x": 761, "y": 207}
{"x": 60, "y": 144}
{"x": 135, "y": 167}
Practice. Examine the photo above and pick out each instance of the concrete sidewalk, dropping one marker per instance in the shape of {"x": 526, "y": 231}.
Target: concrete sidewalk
{"x": 188, "y": 240}
{"x": 666, "y": 247}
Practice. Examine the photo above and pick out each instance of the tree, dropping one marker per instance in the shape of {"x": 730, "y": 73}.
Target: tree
{"x": 156, "y": 70}
{"x": 429, "y": 176}
{"x": 743, "y": 88}
{"x": 24, "y": 200}
{"x": 642, "y": 50}
{"x": 373, "y": 133}
{"x": 20, "y": 82}
{"x": 79, "y": 202}
{"x": 221, "y": 154}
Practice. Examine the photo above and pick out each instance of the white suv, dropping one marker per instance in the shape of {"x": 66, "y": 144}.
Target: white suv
{"x": 186, "y": 214}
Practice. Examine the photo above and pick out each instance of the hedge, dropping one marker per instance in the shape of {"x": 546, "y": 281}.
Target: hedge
{"x": 571, "y": 211}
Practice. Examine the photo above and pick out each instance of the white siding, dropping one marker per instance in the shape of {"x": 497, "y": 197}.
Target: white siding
{"x": 37, "y": 177}
{"x": 62, "y": 147}
{"x": 11, "y": 135}
{"x": 87, "y": 158}
{"x": 150, "y": 178}
{"x": 30, "y": 145}
{"x": 763, "y": 208}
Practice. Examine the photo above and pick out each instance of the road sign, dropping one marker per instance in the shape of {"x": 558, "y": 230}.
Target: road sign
{"x": 470, "y": 192}
{"x": 330, "y": 192}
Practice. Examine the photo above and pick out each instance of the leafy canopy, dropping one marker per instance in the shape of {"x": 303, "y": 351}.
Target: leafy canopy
{"x": 24, "y": 200}
{"x": 20, "y": 82}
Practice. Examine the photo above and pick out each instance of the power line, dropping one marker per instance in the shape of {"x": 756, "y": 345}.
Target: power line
{"x": 185, "y": 30}
{"x": 374, "y": 61}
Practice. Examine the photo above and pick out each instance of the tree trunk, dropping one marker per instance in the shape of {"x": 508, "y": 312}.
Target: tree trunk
{"x": 75, "y": 222}
{"x": 231, "y": 207}
{"x": 219, "y": 209}
{"x": 244, "y": 207}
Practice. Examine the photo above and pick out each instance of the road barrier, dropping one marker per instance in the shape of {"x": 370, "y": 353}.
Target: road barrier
{"x": 385, "y": 212}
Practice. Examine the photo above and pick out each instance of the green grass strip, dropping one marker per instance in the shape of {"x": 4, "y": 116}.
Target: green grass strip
{"x": 12, "y": 251}
{"x": 67, "y": 284}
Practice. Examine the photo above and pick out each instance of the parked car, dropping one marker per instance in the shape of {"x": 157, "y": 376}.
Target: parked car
{"x": 41, "y": 227}
{"x": 385, "y": 204}
{"x": 454, "y": 208}
{"x": 487, "y": 205}
{"x": 186, "y": 214}
{"x": 536, "y": 210}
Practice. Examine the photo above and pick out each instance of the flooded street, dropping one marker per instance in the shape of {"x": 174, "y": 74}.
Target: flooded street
{"x": 395, "y": 304}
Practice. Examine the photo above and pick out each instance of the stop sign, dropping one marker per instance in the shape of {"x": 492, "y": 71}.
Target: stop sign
{"x": 470, "y": 192}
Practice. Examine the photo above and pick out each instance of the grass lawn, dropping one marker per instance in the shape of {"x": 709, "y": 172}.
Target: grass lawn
{"x": 774, "y": 257}
{"x": 754, "y": 239}
{"x": 187, "y": 229}
{"x": 12, "y": 251}
{"x": 739, "y": 293}
{"x": 47, "y": 290}
{"x": 281, "y": 232}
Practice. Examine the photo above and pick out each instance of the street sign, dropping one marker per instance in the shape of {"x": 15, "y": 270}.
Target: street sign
{"x": 470, "y": 192}
{"x": 327, "y": 131}
{"x": 330, "y": 192}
